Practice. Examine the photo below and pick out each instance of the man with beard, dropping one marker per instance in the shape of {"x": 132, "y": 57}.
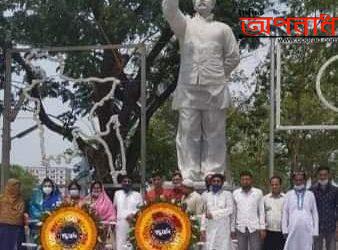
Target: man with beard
{"x": 327, "y": 203}
{"x": 127, "y": 203}
{"x": 216, "y": 220}
{"x": 300, "y": 216}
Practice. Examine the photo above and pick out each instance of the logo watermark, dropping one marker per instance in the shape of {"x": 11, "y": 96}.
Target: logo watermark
{"x": 254, "y": 24}
{"x": 312, "y": 27}
{"x": 308, "y": 40}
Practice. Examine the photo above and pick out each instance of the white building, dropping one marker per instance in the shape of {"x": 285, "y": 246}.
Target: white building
{"x": 61, "y": 176}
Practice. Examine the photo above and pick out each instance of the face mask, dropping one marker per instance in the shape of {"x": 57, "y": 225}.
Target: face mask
{"x": 215, "y": 188}
{"x": 126, "y": 187}
{"x": 95, "y": 194}
{"x": 323, "y": 182}
{"x": 74, "y": 193}
{"x": 47, "y": 190}
{"x": 177, "y": 186}
{"x": 299, "y": 187}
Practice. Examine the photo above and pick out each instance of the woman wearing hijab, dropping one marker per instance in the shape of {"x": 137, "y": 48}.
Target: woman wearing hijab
{"x": 11, "y": 216}
{"x": 45, "y": 198}
{"x": 74, "y": 194}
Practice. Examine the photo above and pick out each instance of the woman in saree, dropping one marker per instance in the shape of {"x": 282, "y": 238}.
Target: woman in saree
{"x": 12, "y": 208}
{"x": 103, "y": 207}
{"x": 100, "y": 203}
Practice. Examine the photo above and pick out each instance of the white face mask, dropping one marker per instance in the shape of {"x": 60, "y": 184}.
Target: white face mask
{"x": 299, "y": 187}
{"x": 47, "y": 190}
{"x": 323, "y": 182}
{"x": 74, "y": 193}
{"x": 95, "y": 194}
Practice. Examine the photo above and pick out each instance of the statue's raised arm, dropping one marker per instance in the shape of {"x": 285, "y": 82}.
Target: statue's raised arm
{"x": 174, "y": 16}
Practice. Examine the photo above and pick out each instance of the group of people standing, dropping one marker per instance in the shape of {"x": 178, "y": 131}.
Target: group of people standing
{"x": 300, "y": 219}
{"x": 16, "y": 217}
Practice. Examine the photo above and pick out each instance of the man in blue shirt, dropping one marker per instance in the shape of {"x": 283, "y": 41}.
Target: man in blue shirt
{"x": 327, "y": 204}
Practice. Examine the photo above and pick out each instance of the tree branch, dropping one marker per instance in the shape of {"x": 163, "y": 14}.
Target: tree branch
{"x": 43, "y": 116}
{"x": 166, "y": 34}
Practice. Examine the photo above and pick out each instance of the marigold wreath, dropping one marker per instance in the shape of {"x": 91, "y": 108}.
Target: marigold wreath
{"x": 162, "y": 225}
{"x": 69, "y": 227}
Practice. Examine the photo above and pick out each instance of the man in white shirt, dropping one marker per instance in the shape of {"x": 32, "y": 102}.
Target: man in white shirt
{"x": 216, "y": 220}
{"x": 248, "y": 224}
{"x": 209, "y": 53}
{"x": 273, "y": 206}
{"x": 207, "y": 182}
{"x": 127, "y": 203}
{"x": 300, "y": 217}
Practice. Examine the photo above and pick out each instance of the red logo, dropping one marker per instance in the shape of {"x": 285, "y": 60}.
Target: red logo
{"x": 291, "y": 26}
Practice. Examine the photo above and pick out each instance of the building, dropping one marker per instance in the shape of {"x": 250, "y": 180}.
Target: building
{"x": 60, "y": 175}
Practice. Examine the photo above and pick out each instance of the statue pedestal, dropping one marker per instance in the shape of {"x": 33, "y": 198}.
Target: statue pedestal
{"x": 200, "y": 186}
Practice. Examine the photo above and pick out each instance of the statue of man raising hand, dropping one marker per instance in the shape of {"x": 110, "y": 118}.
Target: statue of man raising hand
{"x": 209, "y": 53}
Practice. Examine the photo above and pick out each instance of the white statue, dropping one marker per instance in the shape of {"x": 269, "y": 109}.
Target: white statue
{"x": 209, "y": 53}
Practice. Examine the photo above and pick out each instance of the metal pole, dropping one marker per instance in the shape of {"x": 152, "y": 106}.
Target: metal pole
{"x": 143, "y": 117}
{"x": 6, "y": 130}
{"x": 272, "y": 109}
{"x": 77, "y": 48}
{"x": 278, "y": 85}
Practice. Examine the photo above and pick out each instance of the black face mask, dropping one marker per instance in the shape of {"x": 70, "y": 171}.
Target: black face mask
{"x": 216, "y": 187}
{"x": 126, "y": 187}
{"x": 246, "y": 188}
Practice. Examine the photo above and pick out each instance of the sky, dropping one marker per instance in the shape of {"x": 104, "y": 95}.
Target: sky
{"x": 26, "y": 151}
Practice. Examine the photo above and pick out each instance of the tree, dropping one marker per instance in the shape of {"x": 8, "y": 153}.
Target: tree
{"x": 248, "y": 123}
{"x": 61, "y": 23}
{"x": 300, "y": 105}
{"x": 28, "y": 181}
{"x": 161, "y": 145}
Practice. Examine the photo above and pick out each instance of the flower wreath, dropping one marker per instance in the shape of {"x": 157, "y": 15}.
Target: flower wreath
{"x": 164, "y": 225}
{"x": 70, "y": 227}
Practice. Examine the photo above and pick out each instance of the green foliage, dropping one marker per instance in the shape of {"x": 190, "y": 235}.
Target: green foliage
{"x": 82, "y": 22}
{"x": 305, "y": 7}
{"x": 300, "y": 105}
{"x": 37, "y": 23}
{"x": 161, "y": 147}
{"x": 67, "y": 23}
{"x": 248, "y": 125}
{"x": 28, "y": 181}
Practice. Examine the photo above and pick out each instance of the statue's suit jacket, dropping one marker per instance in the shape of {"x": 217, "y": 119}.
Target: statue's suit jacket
{"x": 209, "y": 53}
